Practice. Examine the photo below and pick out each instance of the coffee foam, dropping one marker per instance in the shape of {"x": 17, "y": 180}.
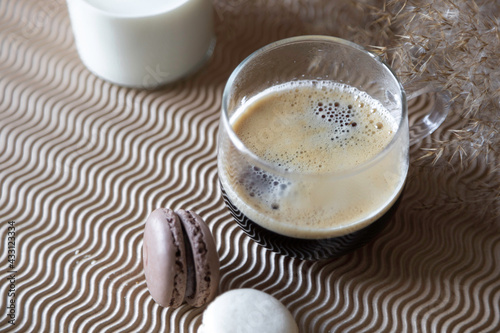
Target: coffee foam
{"x": 313, "y": 128}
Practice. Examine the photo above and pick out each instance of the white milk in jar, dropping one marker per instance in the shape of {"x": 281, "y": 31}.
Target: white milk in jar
{"x": 142, "y": 43}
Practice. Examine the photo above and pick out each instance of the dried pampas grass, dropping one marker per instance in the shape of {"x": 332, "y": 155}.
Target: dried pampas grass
{"x": 454, "y": 44}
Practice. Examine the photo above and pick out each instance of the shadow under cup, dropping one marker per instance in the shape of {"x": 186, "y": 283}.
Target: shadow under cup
{"x": 319, "y": 59}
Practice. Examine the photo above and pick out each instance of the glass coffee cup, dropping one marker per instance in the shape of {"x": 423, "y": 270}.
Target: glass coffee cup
{"x": 313, "y": 146}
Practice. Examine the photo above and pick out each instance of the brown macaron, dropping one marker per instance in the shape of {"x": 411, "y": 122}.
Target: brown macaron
{"x": 180, "y": 258}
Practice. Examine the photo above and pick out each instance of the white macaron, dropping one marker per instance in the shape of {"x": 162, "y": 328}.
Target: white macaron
{"x": 247, "y": 310}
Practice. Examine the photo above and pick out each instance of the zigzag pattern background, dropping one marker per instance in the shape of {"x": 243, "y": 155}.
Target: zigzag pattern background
{"x": 83, "y": 162}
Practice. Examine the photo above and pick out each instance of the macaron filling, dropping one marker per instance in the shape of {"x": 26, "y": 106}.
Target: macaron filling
{"x": 178, "y": 293}
{"x": 202, "y": 271}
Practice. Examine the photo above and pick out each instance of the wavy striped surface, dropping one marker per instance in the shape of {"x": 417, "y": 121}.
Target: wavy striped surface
{"x": 83, "y": 162}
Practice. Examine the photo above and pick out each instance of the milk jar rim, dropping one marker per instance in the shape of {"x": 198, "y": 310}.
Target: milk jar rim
{"x": 117, "y": 15}
{"x": 332, "y": 175}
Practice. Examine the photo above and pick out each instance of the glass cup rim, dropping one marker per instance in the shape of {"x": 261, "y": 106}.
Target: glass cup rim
{"x": 278, "y": 171}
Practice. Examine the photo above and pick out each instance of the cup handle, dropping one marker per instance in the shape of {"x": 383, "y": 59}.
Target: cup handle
{"x": 422, "y": 124}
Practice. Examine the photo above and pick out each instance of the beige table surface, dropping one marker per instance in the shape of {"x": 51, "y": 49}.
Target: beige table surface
{"x": 83, "y": 162}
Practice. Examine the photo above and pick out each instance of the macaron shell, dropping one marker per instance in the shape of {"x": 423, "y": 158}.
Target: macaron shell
{"x": 164, "y": 258}
{"x": 249, "y": 311}
{"x": 206, "y": 264}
